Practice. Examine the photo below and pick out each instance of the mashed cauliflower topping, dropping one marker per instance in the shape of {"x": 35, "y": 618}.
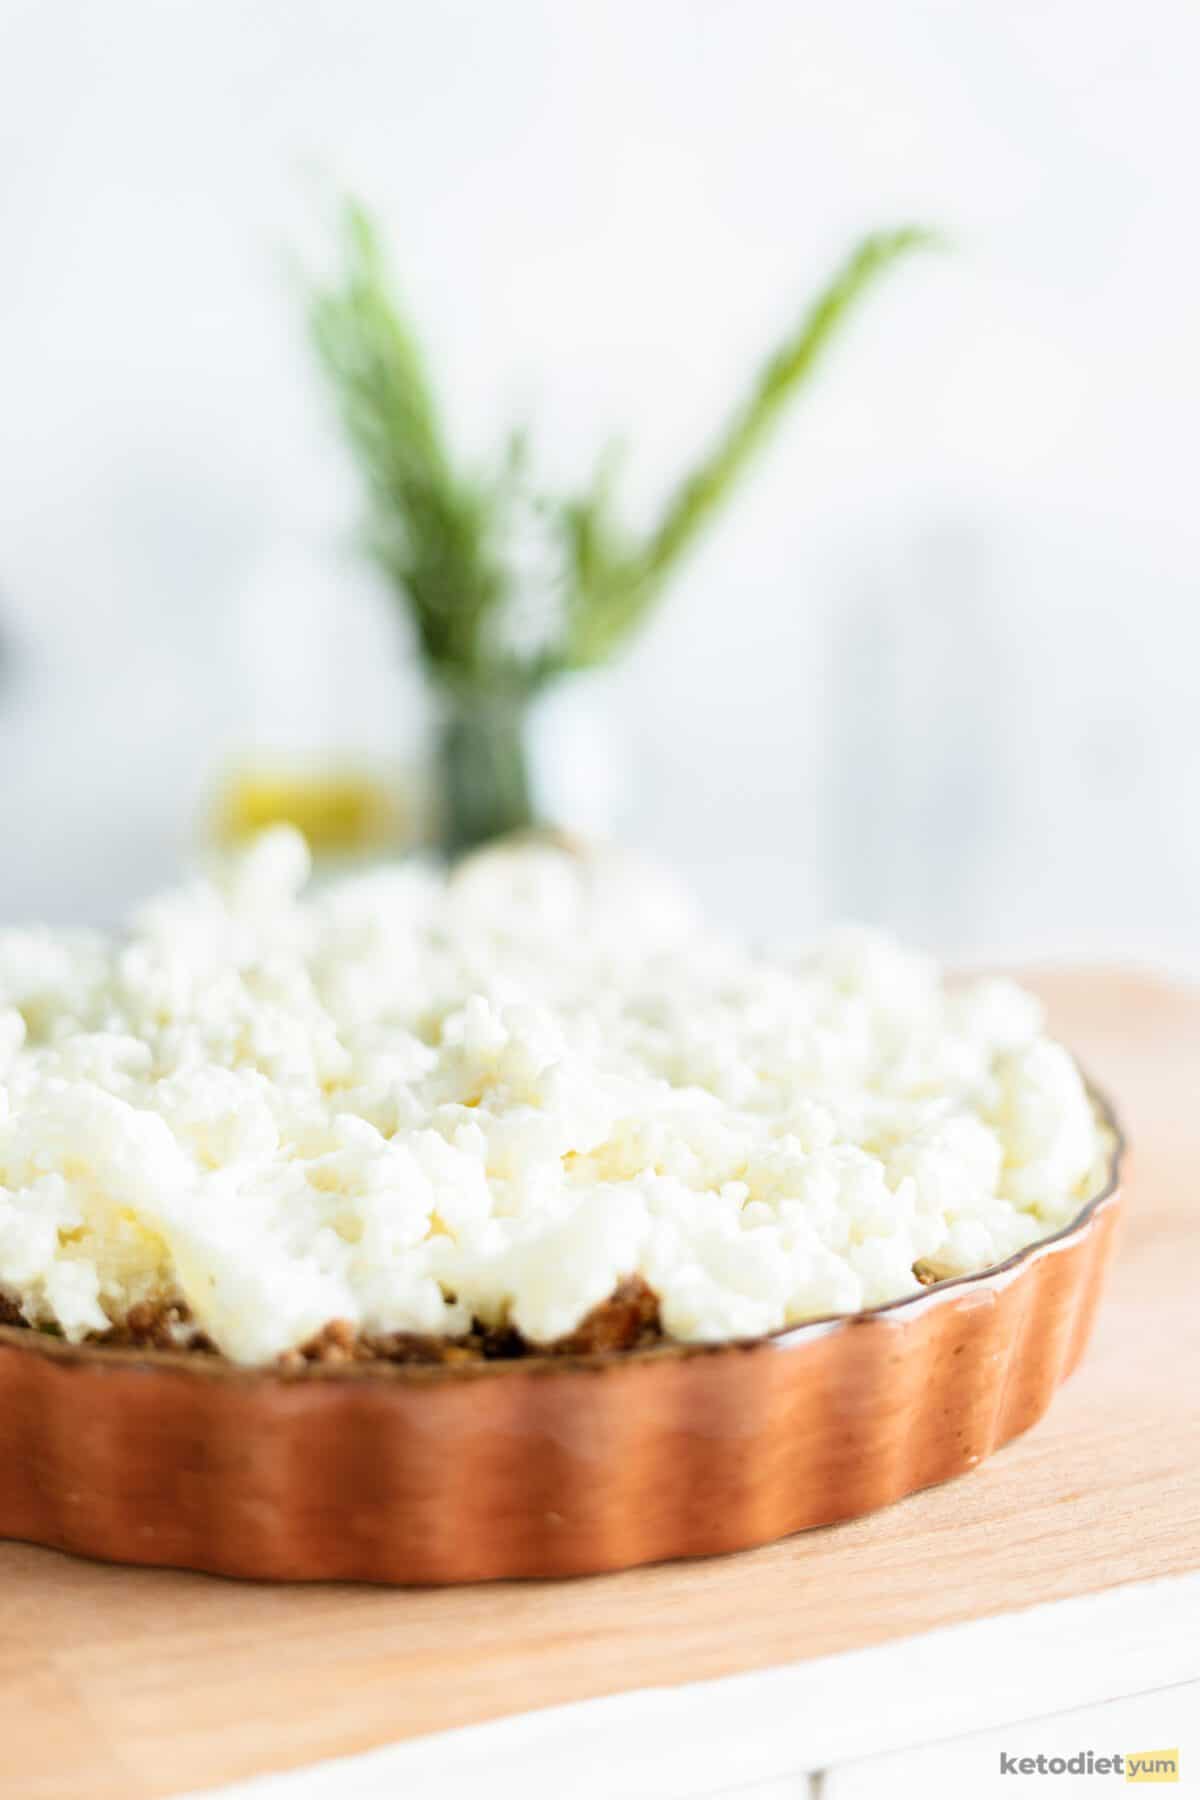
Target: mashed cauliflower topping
{"x": 410, "y": 1101}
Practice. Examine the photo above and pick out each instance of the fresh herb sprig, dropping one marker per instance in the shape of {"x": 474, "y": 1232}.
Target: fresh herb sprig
{"x": 440, "y": 535}
{"x": 432, "y": 529}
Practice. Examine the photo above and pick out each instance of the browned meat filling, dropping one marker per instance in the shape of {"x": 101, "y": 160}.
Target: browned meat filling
{"x": 628, "y": 1319}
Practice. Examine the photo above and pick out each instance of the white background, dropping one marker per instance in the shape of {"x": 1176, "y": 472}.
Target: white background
{"x": 938, "y": 667}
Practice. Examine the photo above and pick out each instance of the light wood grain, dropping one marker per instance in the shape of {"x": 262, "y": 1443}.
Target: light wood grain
{"x": 129, "y": 1684}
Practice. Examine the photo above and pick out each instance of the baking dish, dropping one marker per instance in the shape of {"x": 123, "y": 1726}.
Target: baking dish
{"x": 546, "y": 1466}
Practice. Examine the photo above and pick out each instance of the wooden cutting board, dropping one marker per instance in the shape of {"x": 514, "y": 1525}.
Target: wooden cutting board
{"x": 124, "y": 1684}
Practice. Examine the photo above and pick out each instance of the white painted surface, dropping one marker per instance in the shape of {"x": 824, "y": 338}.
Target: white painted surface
{"x": 971, "y": 1766}
{"x": 939, "y": 668}
{"x": 778, "y": 1725}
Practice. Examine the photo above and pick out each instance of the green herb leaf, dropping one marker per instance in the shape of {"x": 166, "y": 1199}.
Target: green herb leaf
{"x": 433, "y": 532}
{"x": 440, "y": 536}
{"x": 616, "y": 582}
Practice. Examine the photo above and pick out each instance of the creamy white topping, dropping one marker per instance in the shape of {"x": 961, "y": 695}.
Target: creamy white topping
{"x": 410, "y": 1101}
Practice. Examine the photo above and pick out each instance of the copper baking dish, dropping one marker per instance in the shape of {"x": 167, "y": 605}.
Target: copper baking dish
{"x": 547, "y": 1466}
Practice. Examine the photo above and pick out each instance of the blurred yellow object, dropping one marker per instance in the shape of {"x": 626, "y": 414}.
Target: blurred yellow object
{"x": 338, "y": 810}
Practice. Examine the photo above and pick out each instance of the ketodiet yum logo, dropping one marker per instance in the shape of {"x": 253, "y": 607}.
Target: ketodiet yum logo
{"x": 1132, "y": 1765}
